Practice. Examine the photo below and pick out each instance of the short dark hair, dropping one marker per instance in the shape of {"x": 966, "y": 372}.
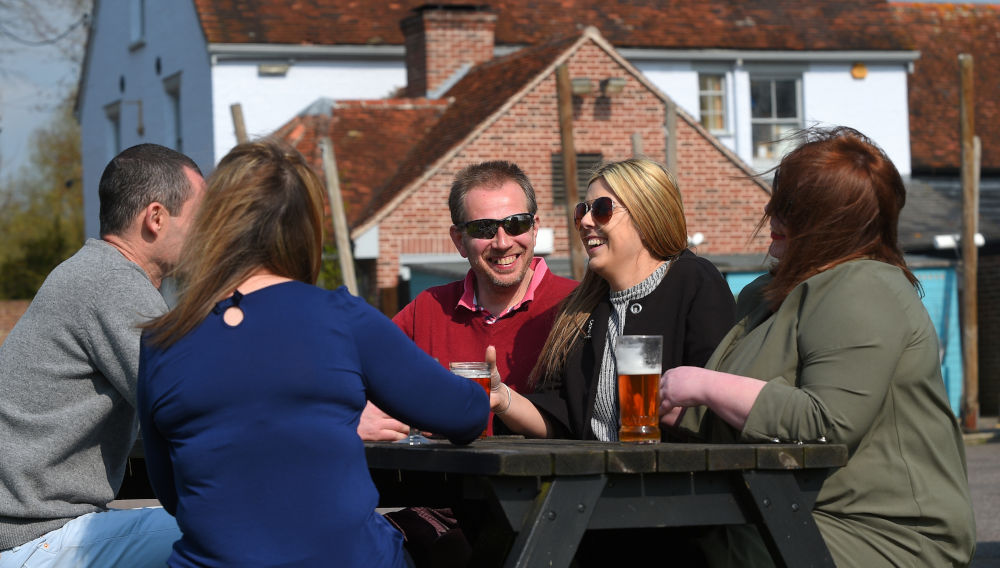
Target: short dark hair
{"x": 490, "y": 174}
{"x": 138, "y": 176}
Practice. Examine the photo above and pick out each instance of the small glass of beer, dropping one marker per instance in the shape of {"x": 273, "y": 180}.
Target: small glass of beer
{"x": 638, "y": 360}
{"x": 478, "y": 371}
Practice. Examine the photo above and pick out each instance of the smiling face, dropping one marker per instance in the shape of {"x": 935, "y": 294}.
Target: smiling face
{"x": 616, "y": 250}
{"x": 502, "y": 261}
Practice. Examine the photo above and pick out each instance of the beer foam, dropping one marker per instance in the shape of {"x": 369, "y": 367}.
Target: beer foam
{"x": 631, "y": 362}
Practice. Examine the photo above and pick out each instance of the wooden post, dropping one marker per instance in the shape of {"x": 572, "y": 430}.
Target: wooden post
{"x": 970, "y": 255}
{"x": 241, "y": 128}
{"x": 565, "y": 96}
{"x": 636, "y": 145}
{"x": 339, "y": 217}
{"x": 670, "y": 124}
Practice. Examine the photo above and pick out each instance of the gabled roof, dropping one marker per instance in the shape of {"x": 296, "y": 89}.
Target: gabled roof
{"x": 369, "y": 138}
{"x": 385, "y": 148}
{"x": 941, "y": 32}
{"x": 688, "y": 24}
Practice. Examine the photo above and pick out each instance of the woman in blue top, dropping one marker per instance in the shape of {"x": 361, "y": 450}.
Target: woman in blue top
{"x": 250, "y": 390}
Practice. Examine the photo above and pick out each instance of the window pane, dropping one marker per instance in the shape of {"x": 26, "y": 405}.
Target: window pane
{"x": 786, "y": 104}
{"x": 712, "y": 115}
{"x": 710, "y": 82}
{"x": 771, "y": 140}
{"x": 137, "y": 13}
{"x": 760, "y": 98}
{"x": 711, "y": 104}
{"x": 762, "y": 139}
{"x": 713, "y": 122}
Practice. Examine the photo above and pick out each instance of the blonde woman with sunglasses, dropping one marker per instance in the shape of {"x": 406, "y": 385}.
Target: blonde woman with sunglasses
{"x": 641, "y": 280}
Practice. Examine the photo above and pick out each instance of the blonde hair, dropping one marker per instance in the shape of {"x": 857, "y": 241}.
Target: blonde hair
{"x": 649, "y": 193}
{"x": 263, "y": 208}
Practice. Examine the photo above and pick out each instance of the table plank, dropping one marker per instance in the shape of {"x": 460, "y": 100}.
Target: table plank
{"x": 825, "y": 455}
{"x": 780, "y": 457}
{"x": 731, "y": 456}
{"x": 445, "y": 457}
{"x": 682, "y": 457}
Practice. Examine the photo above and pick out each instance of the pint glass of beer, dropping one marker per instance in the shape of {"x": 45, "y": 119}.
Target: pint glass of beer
{"x": 638, "y": 359}
{"x": 478, "y": 371}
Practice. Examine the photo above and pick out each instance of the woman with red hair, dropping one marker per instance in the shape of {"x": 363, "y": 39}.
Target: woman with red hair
{"x": 834, "y": 345}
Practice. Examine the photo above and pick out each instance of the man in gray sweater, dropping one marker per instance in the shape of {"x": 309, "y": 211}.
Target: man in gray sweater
{"x": 68, "y": 377}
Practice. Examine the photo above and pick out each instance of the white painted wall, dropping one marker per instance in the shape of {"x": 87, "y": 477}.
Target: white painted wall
{"x": 679, "y": 80}
{"x": 876, "y": 105}
{"x": 270, "y": 102}
{"x": 173, "y": 35}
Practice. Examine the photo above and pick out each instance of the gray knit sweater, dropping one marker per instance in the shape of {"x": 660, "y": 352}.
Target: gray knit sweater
{"x": 67, "y": 392}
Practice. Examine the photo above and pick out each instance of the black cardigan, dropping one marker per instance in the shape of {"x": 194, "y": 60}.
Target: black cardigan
{"x": 692, "y": 309}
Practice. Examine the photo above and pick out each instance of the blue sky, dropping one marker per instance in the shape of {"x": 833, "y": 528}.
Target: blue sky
{"x": 35, "y": 79}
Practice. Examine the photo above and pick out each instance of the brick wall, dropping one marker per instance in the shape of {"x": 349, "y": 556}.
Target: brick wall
{"x": 439, "y": 41}
{"x": 10, "y": 312}
{"x": 719, "y": 199}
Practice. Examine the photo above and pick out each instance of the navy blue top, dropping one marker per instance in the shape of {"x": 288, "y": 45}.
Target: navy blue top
{"x": 250, "y": 431}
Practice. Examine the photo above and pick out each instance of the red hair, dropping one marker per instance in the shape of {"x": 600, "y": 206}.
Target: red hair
{"x": 839, "y": 196}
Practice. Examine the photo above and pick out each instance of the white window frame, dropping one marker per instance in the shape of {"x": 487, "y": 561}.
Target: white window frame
{"x": 722, "y": 94}
{"x": 779, "y": 149}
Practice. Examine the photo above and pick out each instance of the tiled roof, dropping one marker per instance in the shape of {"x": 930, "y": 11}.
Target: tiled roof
{"x": 687, "y": 24}
{"x": 369, "y": 139}
{"x": 941, "y": 32}
{"x": 934, "y": 207}
{"x": 480, "y": 93}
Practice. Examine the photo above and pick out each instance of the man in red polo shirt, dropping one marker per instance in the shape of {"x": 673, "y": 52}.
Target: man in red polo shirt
{"x": 508, "y": 299}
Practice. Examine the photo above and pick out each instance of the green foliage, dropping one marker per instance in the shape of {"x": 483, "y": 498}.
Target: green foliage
{"x": 330, "y": 275}
{"x": 41, "y": 209}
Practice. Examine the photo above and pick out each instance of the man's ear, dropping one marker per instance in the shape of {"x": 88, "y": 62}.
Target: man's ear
{"x": 154, "y": 217}
{"x": 456, "y": 237}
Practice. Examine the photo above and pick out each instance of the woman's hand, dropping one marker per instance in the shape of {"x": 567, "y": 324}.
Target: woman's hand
{"x": 729, "y": 396}
{"x": 678, "y": 390}
{"x": 683, "y": 387}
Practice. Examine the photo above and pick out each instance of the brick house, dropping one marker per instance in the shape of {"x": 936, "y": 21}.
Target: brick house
{"x": 168, "y": 71}
{"x": 934, "y": 204}
{"x": 397, "y": 157}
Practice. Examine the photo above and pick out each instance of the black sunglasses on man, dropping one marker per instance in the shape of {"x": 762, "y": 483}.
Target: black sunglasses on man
{"x": 513, "y": 225}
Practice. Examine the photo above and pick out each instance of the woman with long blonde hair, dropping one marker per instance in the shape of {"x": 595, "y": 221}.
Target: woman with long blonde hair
{"x": 251, "y": 389}
{"x": 640, "y": 279}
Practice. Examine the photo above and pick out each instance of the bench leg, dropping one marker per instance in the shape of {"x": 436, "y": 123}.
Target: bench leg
{"x": 557, "y": 521}
{"x": 786, "y": 520}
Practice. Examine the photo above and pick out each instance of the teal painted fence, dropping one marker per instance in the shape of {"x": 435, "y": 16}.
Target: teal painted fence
{"x": 941, "y": 300}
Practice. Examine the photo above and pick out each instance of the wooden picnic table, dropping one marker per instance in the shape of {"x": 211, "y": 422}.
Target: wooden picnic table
{"x": 549, "y": 492}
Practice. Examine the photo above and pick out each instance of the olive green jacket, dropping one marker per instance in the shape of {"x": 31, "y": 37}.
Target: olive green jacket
{"x": 851, "y": 357}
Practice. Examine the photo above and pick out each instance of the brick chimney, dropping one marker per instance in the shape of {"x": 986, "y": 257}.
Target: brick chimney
{"x": 441, "y": 39}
